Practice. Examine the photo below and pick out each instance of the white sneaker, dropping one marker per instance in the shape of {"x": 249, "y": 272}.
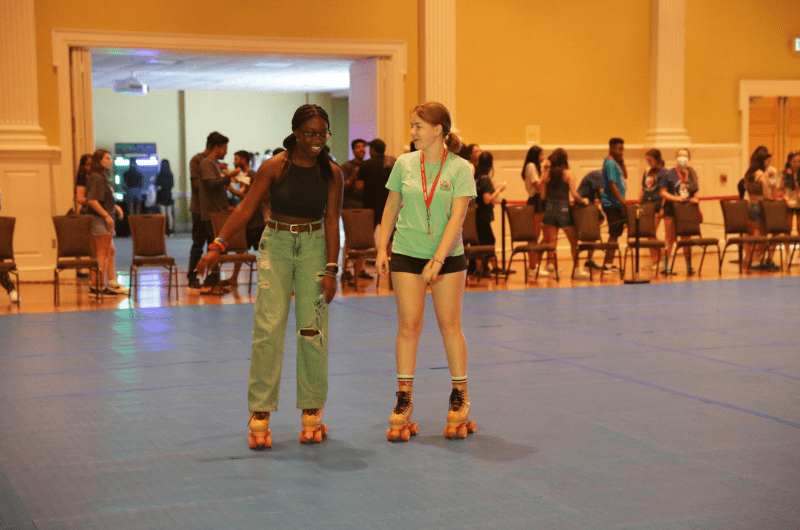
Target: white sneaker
{"x": 542, "y": 272}
{"x": 117, "y": 288}
{"x": 13, "y": 295}
{"x": 582, "y": 274}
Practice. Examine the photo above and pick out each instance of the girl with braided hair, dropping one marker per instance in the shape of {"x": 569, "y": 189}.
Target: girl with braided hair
{"x": 429, "y": 191}
{"x": 297, "y": 253}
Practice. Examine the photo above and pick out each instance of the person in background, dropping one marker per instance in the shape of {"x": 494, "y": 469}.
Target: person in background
{"x": 679, "y": 184}
{"x": 354, "y": 197}
{"x": 558, "y": 184}
{"x": 295, "y": 253}
{"x": 213, "y": 198}
{"x": 100, "y": 203}
{"x": 375, "y": 174}
{"x": 531, "y": 174}
{"x": 791, "y": 187}
{"x": 164, "y": 183}
{"x": 485, "y": 200}
{"x": 244, "y": 175}
{"x": 757, "y": 186}
{"x": 134, "y": 180}
{"x": 651, "y": 192}
{"x": 199, "y": 234}
{"x": 429, "y": 191}
{"x": 615, "y": 177}
{"x": 84, "y": 166}
{"x": 591, "y": 188}
{"x": 5, "y": 278}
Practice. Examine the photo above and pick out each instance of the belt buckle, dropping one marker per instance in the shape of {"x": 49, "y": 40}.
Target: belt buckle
{"x": 292, "y": 229}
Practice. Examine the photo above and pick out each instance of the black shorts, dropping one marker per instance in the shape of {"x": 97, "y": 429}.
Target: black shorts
{"x": 536, "y": 201}
{"x": 616, "y": 221}
{"x": 403, "y": 263}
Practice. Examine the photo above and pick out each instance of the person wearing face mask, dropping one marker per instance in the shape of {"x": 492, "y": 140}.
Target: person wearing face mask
{"x": 680, "y": 184}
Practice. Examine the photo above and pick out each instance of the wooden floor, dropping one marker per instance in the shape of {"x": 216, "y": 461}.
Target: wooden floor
{"x": 75, "y": 296}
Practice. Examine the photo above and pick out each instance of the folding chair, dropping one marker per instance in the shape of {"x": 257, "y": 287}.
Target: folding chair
{"x": 778, "y": 228}
{"x": 472, "y": 247}
{"x": 736, "y": 216}
{"x": 647, "y": 231}
{"x": 237, "y": 246}
{"x": 522, "y": 228}
{"x": 7, "y": 263}
{"x": 359, "y": 237}
{"x": 587, "y": 233}
{"x": 150, "y": 248}
{"x": 687, "y": 224}
{"x": 74, "y": 249}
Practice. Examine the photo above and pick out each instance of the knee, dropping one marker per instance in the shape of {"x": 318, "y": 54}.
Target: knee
{"x": 410, "y": 329}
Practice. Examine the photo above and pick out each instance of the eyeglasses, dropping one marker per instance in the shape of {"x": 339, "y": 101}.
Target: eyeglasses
{"x": 322, "y": 136}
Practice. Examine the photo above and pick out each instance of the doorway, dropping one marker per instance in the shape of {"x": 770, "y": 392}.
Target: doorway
{"x": 775, "y": 124}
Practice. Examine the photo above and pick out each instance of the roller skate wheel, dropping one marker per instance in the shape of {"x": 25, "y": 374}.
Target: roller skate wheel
{"x": 405, "y": 434}
{"x": 462, "y": 431}
{"x": 324, "y": 429}
{"x": 449, "y": 431}
{"x": 390, "y": 435}
{"x": 413, "y": 428}
{"x": 260, "y": 441}
{"x": 471, "y": 426}
{"x": 318, "y": 435}
{"x": 305, "y": 437}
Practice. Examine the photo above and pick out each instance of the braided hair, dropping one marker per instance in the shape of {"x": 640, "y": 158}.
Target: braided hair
{"x": 302, "y": 115}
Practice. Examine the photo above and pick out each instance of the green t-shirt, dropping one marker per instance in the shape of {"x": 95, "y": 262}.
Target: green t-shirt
{"x": 411, "y": 238}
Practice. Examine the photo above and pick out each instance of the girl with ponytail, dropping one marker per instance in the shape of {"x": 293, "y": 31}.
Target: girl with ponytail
{"x": 429, "y": 191}
{"x": 298, "y": 253}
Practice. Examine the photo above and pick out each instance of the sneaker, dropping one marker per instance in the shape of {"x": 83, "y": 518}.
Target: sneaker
{"x": 13, "y": 296}
{"x": 230, "y": 282}
{"x": 582, "y": 274}
{"x": 756, "y": 267}
{"x": 194, "y": 285}
{"x": 592, "y": 265}
{"x": 550, "y": 268}
{"x": 117, "y": 288}
{"x": 364, "y": 275}
{"x": 770, "y": 265}
{"x": 542, "y": 272}
{"x": 610, "y": 268}
{"x": 690, "y": 271}
{"x": 215, "y": 290}
{"x": 666, "y": 271}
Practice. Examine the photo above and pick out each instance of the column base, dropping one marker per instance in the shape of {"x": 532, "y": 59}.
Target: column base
{"x": 666, "y": 137}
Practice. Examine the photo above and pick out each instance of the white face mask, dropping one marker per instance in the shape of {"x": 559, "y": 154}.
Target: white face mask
{"x": 683, "y": 161}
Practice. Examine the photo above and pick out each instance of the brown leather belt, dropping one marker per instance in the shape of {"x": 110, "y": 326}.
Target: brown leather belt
{"x": 295, "y": 228}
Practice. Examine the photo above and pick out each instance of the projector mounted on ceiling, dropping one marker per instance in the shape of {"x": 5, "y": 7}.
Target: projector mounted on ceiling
{"x": 130, "y": 85}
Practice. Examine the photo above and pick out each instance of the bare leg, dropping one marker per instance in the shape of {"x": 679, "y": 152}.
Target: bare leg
{"x": 550, "y": 236}
{"x": 409, "y": 291}
{"x": 101, "y": 246}
{"x": 448, "y": 294}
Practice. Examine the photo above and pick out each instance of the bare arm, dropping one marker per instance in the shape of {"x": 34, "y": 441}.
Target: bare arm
{"x": 390, "y": 213}
{"x": 615, "y": 192}
{"x": 333, "y": 211}
{"x": 544, "y": 180}
{"x": 572, "y": 190}
{"x": 80, "y": 195}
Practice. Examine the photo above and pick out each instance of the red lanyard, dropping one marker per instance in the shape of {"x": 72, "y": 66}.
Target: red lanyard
{"x": 680, "y": 175}
{"x": 429, "y": 200}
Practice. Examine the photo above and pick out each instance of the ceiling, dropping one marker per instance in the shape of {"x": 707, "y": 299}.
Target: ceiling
{"x": 176, "y": 70}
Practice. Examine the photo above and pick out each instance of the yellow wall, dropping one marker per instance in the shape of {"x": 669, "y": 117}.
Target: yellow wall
{"x": 727, "y": 41}
{"x": 578, "y": 69}
{"x": 369, "y": 19}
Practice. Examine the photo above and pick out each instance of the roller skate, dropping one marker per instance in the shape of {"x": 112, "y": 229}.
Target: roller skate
{"x": 401, "y": 427}
{"x": 458, "y": 424}
{"x": 260, "y": 436}
{"x": 313, "y": 428}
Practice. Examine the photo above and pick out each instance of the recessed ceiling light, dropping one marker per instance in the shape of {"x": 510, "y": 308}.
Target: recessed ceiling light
{"x": 162, "y": 61}
{"x": 274, "y": 64}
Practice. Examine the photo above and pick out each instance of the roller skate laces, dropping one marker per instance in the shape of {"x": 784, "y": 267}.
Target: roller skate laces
{"x": 458, "y": 424}
{"x": 313, "y": 429}
{"x": 259, "y": 433}
{"x": 401, "y": 428}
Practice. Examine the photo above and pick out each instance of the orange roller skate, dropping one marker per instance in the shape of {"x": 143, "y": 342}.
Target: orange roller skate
{"x": 458, "y": 424}
{"x": 260, "y": 436}
{"x": 401, "y": 427}
{"x": 313, "y": 429}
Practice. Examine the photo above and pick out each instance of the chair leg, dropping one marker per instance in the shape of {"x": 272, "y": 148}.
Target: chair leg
{"x": 674, "y": 255}
{"x": 702, "y": 258}
{"x": 55, "y": 287}
{"x": 555, "y": 258}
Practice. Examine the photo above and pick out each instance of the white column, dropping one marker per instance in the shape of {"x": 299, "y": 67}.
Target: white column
{"x": 667, "y": 74}
{"x": 438, "y": 53}
{"x": 27, "y": 164}
{"x": 19, "y": 103}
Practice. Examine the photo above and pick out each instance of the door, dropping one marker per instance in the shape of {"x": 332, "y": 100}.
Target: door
{"x": 775, "y": 124}
{"x": 364, "y": 107}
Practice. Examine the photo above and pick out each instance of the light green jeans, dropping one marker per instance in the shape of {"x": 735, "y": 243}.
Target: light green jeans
{"x": 289, "y": 263}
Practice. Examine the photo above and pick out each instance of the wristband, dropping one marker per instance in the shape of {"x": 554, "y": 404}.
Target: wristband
{"x": 223, "y": 245}
{"x": 216, "y": 246}
{"x": 332, "y": 267}
{"x": 434, "y": 258}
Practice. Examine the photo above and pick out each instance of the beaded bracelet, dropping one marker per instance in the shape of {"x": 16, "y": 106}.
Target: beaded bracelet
{"x": 221, "y": 242}
{"x": 216, "y": 246}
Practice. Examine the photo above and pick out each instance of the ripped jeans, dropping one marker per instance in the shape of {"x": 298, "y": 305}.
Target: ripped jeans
{"x": 289, "y": 262}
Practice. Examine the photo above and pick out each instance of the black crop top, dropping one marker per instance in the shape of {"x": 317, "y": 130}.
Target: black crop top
{"x": 300, "y": 193}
